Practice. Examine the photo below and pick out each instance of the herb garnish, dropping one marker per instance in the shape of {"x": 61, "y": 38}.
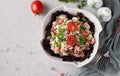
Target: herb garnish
{"x": 82, "y": 4}
{"x": 66, "y": 1}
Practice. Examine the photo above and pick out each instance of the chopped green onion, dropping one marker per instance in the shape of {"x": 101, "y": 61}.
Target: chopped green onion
{"x": 49, "y": 37}
{"x": 57, "y": 44}
{"x": 52, "y": 35}
{"x": 58, "y": 17}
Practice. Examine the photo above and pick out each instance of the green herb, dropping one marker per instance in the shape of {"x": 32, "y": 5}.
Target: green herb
{"x": 64, "y": 23}
{"x": 79, "y": 6}
{"x": 58, "y": 17}
{"x": 91, "y": 33}
{"x": 66, "y": 1}
{"x": 82, "y": 28}
{"x": 60, "y": 54}
{"x": 76, "y": 32}
{"x": 83, "y": 19}
{"x": 65, "y": 20}
{"x": 101, "y": 17}
{"x": 88, "y": 38}
{"x": 49, "y": 37}
{"x": 52, "y": 35}
{"x": 82, "y": 40}
{"x": 60, "y": 32}
{"x": 78, "y": 21}
{"x": 82, "y": 4}
{"x": 59, "y": 36}
{"x": 57, "y": 44}
{"x": 67, "y": 53}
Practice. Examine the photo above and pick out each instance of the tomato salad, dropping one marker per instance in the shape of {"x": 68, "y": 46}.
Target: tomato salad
{"x": 70, "y": 37}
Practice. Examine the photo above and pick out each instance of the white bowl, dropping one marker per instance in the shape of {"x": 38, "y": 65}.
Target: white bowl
{"x": 91, "y": 17}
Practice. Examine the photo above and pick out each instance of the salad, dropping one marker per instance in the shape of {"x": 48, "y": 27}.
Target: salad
{"x": 70, "y": 36}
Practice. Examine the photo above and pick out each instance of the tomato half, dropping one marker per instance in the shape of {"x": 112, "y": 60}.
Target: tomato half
{"x": 37, "y": 7}
{"x": 72, "y": 26}
{"x": 71, "y": 40}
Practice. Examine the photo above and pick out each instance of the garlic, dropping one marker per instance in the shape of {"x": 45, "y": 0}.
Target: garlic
{"x": 95, "y": 3}
{"x": 104, "y": 13}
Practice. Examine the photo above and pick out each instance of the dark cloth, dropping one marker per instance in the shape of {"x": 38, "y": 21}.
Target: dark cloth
{"x": 114, "y": 49}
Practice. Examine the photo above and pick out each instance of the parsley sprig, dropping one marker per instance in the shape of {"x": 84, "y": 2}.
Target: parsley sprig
{"x": 67, "y": 1}
{"x": 82, "y": 4}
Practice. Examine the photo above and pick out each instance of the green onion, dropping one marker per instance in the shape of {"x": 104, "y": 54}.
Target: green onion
{"x": 57, "y": 17}
{"x": 49, "y": 37}
{"x": 52, "y": 35}
{"x": 57, "y": 44}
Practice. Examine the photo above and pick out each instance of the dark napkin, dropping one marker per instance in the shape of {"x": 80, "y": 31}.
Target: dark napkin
{"x": 113, "y": 66}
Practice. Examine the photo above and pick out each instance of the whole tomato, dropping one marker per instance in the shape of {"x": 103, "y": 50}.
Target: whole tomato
{"x": 37, "y": 7}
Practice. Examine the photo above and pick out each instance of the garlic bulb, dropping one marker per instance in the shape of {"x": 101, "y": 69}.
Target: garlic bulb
{"x": 104, "y": 13}
{"x": 95, "y": 3}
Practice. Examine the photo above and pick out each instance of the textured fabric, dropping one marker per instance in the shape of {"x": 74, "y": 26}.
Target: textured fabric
{"x": 114, "y": 49}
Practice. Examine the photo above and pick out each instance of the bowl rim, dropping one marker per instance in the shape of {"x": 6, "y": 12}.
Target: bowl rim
{"x": 98, "y": 29}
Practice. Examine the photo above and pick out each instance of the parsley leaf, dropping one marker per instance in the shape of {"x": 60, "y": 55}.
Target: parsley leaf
{"x": 82, "y": 40}
{"x": 66, "y": 1}
{"x": 82, "y": 4}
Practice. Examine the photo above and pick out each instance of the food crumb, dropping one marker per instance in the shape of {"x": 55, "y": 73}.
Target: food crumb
{"x": 56, "y": 70}
{"x": 61, "y": 74}
{"x": 53, "y": 68}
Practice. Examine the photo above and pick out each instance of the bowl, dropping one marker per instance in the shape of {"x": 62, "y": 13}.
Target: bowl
{"x": 91, "y": 17}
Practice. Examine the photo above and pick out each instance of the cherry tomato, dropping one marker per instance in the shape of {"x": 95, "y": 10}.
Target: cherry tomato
{"x": 37, "y": 7}
{"x": 71, "y": 40}
{"x": 72, "y": 26}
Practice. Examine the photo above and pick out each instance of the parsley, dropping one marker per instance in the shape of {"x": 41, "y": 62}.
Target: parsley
{"x": 83, "y": 19}
{"x": 82, "y": 40}
{"x": 82, "y": 4}
{"x": 79, "y": 6}
{"x": 101, "y": 17}
{"x": 67, "y": 1}
{"x": 82, "y": 28}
